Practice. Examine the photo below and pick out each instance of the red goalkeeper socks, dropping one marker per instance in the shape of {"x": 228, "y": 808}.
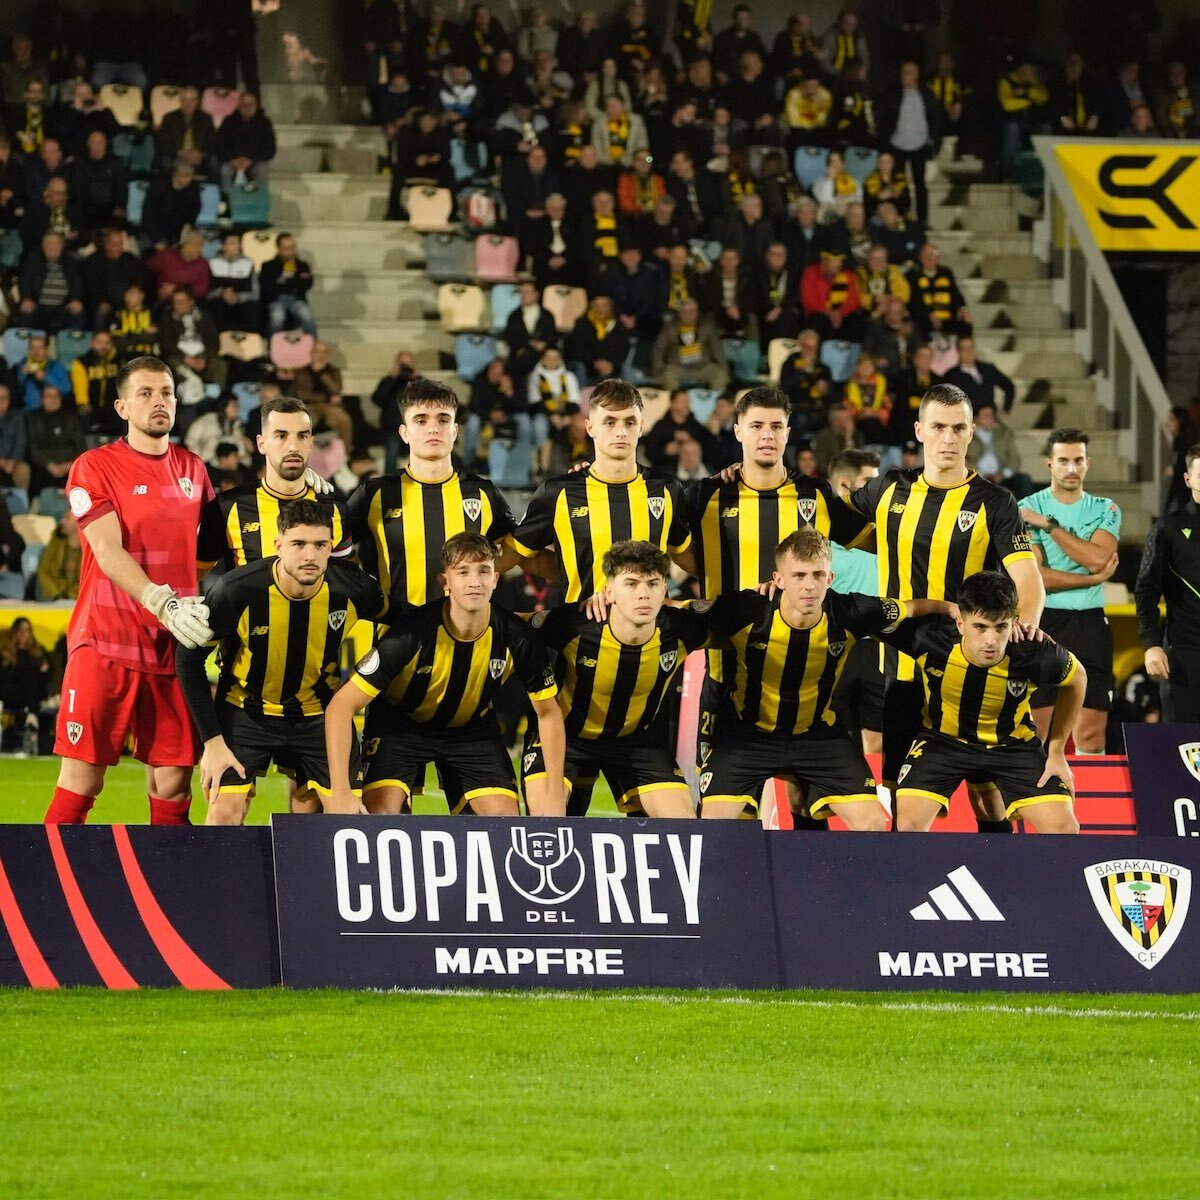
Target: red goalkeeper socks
{"x": 169, "y": 812}
{"x": 68, "y": 808}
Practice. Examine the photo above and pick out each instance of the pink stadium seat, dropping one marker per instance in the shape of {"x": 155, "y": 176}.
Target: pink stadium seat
{"x": 219, "y": 103}
{"x": 291, "y": 349}
{"x": 496, "y": 258}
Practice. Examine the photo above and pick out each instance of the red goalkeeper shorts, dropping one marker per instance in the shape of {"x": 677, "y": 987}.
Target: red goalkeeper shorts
{"x": 103, "y": 702}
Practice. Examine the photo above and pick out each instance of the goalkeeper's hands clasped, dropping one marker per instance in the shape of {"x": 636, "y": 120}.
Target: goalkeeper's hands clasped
{"x": 185, "y": 617}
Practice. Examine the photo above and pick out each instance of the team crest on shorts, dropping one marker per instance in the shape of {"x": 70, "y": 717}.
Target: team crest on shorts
{"x": 1190, "y": 753}
{"x": 185, "y": 486}
{"x": 705, "y": 780}
{"x": 1016, "y": 687}
{"x": 528, "y": 762}
{"x": 74, "y": 732}
{"x": 1143, "y": 904}
{"x": 473, "y": 507}
{"x": 808, "y": 508}
{"x": 667, "y": 661}
{"x": 966, "y": 520}
{"x": 657, "y": 506}
{"x": 904, "y": 770}
{"x": 337, "y": 619}
{"x": 496, "y": 667}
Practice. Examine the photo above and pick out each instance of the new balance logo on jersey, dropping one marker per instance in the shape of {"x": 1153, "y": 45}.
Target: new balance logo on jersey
{"x": 185, "y": 486}
{"x": 966, "y": 520}
{"x": 251, "y": 527}
{"x": 808, "y": 509}
{"x": 657, "y": 507}
{"x": 74, "y": 732}
{"x": 584, "y": 661}
{"x": 1016, "y": 687}
{"x": 393, "y": 514}
{"x": 969, "y": 903}
{"x": 337, "y": 619}
{"x": 667, "y": 660}
{"x": 260, "y": 631}
{"x": 496, "y": 667}
{"x": 729, "y": 512}
{"x": 140, "y": 489}
{"x": 473, "y": 508}
{"x": 580, "y": 511}
{"x": 896, "y": 508}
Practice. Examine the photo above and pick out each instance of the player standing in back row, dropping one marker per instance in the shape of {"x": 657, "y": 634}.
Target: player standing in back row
{"x": 138, "y": 503}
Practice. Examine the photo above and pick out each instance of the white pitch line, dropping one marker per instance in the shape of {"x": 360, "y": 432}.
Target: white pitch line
{"x": 938, "y": 1006}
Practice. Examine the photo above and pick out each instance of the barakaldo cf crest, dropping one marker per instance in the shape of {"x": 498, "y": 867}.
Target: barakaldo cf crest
{"x": 1143, "y": 904}
{"x": 1016, "y": 687}
{"x": 667, "y": 661}
{"x": 496, "y": 667}
{"x": 1190, "y": 753}
{"x": 966, "y": 520}
{"x": 657, "y": 506}
{"x": 74, "y": 732}
{"x": 337, "y": 619}
{"x": 473, "y": 508}
{"x": 807, "y": 509}
{"x": 836, "y": 648}
{"x": 544, "y": 867}
{"x": 185, "y": 486}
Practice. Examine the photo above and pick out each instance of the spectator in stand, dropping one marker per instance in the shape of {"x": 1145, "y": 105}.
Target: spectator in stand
{"x": 829, "y": 298}
{"x": 724, "y": 448}
{"x": 1176, "y": 112}
{"x": 498, "y": 430}
{"x": 619, "y": 135}
{"x": 12, "y": 546}
{"x": 549, "y": 248}
{"x": 730, "y": 44}
{"x": 910, "y": 124}
{"x": 118, "y": 48}
{"x": 581, "y": 46}
{"x": 889, "y": 338}
{"x": 482, "y": 39}
{"x": 188, "y": 135}
{"x": 27, "y": 117}
{"x": 854, "y": 234}
{"x": 697, "y": 199}
{"x": 598, "y": 345}
{"x": 571, "y": 445}
{"x": 386, "y": 398}
{"x": 246, "y": 146}
{"x": 796, "y": 49}
{"x": 840, "y": 433}
{"x": 18, "y": 71}
{"x": 186, "y": 319}
{"x": 681, "y": 133}
{"x": 14, "y": 443}
{"x": 107, "y": 275}
{"x": 867, "y": 396}
{"x": 518, "y": 127}
{"x": 73, "y": 122}
{"x": 807, "y": 109}
{"x": 553, "y": 394}
{"x": 319, "y": 385}
{"x": 133, "y": 325}
{"x": 171, "y": 207}
{"x": 980, "y": 380}
{"x": 656, "y": 234}
{"x": 51, "y": 288}
{"x": 528, "y": 182}
{"x": 678, "y": 281}
{"x": 663, "y": 442}
{"x": 55, "y": 438}
{"x": 181, "y": 266}
{"x": 937, "y": 304}
{"x": 1121, "y": 95}
{"x": 727, "y": 292}
{"x": 422, "y": 153}
{"x": 774, "y": 296}
{"x": 640, "y": 188}
{"x": 806, "y": 464}
{"x": 1075, "y": 105}
{"x": 993, "y": 454}
{"x": 635, "y": 292}
{"x": 24, "y": 671}
{"x": 886, "y": 182}
{"x": 234, "y": 299}
{"x": 59, "y": 567}
{"x": 1024, "y": 101}
{"x": 530, "y": 329}
{"x": 689, "y": 461}
{"x": 199, "y": 380}
{"x": 957, "y": 101}
{"x": 211, "y": 431}
{"x": 101, "y": 187}
{"x": 854, "y": 106}
{"x": 1141, "y": 124}
{"x": 600, "y": 237}
{"x": 632, "y": 40}
{"x": 902, "y": 237}
{"x": 911, "y": 384}
{"x": 750, "y": 97}
{"x": 94, "y": 386}
{"x": 53, "y": 211}
{"x": 809, "y": 386}
{"x": 48, "y": 163}
{"x": 688, "y": 352}
{"x": 432, "y": 46}
{"x": 285, "y": 282}
{"x": 460, "y": 97}
{"x": 845, "y": 42}
{"x": 804, "y": 238}
{"x": 748, "y": 231}
{"x": 878, "y": 278}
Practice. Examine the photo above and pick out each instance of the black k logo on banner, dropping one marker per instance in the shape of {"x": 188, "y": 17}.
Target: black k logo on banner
{"x": 1154, "y": 191}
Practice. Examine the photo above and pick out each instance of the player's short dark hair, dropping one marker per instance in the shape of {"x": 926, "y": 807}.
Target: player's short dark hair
{"x": 638, "y": 558}
{"x": 282, "y": 404}
{"x": 1067, "y": 436}
{"x": 422, "y": 391}
{"x": 806, "y": 544}
{"x": 850, "y": 462}
{"x": 616, "y": 394}
{"x": 762, "y": 397}
{"x": 1191, "y": 456}
{"x": 467, "y": 547}
{"x": 945, "y": 394}
{"x": 304, "y": 512}
{"x": 144, "y": 362}
{"x": 990, "y": 594}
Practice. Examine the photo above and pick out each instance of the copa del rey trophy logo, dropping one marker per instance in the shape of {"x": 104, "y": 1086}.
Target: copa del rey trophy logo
{"x": 543, "y": 866}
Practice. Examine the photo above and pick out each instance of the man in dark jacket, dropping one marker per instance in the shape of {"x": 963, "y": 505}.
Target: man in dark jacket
{"x": 285, "y": 282}
{"x": 55, "y": 439}
{"x": 107, "y": 275}
{"x": 100, "y": 184}
{"x": 635, "y": 291}
{"x": 51, "y": 288}
{"x": 245, "y": 146}
{"x": 980, "y": 380}
{"x": 910, "y": 122}
{"x": 528, "y": 331}
{"x": 187, "y": 134}
{"x": 172, "y": 205}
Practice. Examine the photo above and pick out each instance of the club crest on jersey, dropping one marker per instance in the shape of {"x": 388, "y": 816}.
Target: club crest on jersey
{"x": 496, "y": 667}
{"x": 667, "y": 661}
{"x": 74, "y": 732}
{"x": 337, "y": 619}
{"x": 1016, "y": 687}
{"x": 185, "y": 486}
{"x": 658, "y": 506}
{"x": 808, "y": 508}
{"x": 966, "y": 520}
{"x": 705, "y": 780}
{"x": 836, "y": 648}
{"x": 1190, "y": 753}
{"x": 473, "y": 507}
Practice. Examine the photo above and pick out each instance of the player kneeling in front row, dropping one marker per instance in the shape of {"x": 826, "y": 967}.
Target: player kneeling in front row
{"x": 434, "y": 680}
{"x": 790, "y": 652}
{"x": 977, "y": 724}
{"x": 280, "y": 623}
{"x": 615, "y": 676}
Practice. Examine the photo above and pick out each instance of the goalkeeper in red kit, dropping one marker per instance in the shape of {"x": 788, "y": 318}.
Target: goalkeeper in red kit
{"x": 138, "y": 502}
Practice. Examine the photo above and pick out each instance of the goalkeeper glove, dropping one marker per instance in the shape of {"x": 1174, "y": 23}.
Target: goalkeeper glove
{"x": 315, "y": 483}
{"x": 185, "y": 617}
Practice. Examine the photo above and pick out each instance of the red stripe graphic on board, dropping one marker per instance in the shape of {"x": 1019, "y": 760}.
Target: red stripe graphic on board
{"x": 28, "y": 954}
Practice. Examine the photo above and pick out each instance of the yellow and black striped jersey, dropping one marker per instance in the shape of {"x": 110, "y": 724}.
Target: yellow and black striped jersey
{"x": 608, "y": 688}
{"x": 785, "y": 677}
{"x": 240, "y": 526}
{"x": 983, "y": 706}
{"x": 422, "y": 671}
{"x": 281, "y": 657}
{"x": 581, "y": 515}
{"x": 400, "y": 525}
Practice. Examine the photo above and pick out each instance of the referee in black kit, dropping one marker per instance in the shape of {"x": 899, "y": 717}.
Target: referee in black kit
{"x": 1170, "y": 571}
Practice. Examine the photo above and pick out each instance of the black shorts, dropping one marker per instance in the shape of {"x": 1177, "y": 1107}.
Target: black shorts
{"x": 936, "y": 765}
{"x": 471, "y": 761}
{"x": 297, "y": 748}
{"x": 902, "y": 704}
{"x": 632, "y": 766}
{"x": 829, "y": 766}
{"x": 713, "y": 698}
{"x": 1088, "y": 635}
{"x": 858, "y": 698}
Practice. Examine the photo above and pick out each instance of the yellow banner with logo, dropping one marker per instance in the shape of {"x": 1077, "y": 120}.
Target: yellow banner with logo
{"x": 1137, "y": 196}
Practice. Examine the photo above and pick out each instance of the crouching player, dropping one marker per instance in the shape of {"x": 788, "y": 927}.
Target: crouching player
{"x": 778, "y": 721}
{"x": 436, "y": 676}
{"x": 977, "y": 724}
{"x": 614, "y": 679}
{"x": 280, "y": 623}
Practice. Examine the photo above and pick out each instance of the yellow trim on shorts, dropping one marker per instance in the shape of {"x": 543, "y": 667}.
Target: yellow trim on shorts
{"x": 384, "y": 783}
{"x": 1017, "y": 805}
{"x": 829, "y": 801}
{"x": 324, "y": 791}
{"x": 944, "y": 801}
{"x": 239, "y": 789}
{"x": 730, "y": 800}
{"x": 492, "y": 791}
{"x": 634, "y": 795}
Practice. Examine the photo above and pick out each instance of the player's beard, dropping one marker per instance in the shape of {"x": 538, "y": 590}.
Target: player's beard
{"x": 290, "y": 472}
{"x": 158, "y": 430}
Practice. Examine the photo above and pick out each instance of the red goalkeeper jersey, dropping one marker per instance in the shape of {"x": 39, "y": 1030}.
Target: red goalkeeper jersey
{"x": 158, "y": 500}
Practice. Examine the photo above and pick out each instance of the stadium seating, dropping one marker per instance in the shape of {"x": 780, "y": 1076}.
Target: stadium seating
{"x": 945, "y": 355}
{"x": 291, "y": 349}
{"x": 565, "y": 304}
{"x": 136, "y": 201}
{"x": 124, "y": 102}
{"x": 496, "y": 258}
{"x": 210, "y": 206}
{"x": 135, "y": 148}
{"x": 702, "y": 402}
{"x": 462, "y": 307}
{"x": 35, "y": 527}
{"x": 249, "y": 397}
{"x": 743, "y": 357}
{"x": 860, "y": 162}
{"x": 472, "y": 353}
{"x": 505, "y": 300}
{"x": 258, "y": 245}
{"x": 219, "y": 103}
{"x": 480, "y": 207}
{"x": 16, "y": 342}
{"x": 448, "y": 257}
{"x": 250, "y": 206}
{"x": 51, "y": 502}
{"x": 810, "y": 164}
{"x": 71, "y": 344}
{"x": 165, "y": 98}
{"x": 242, "y": 345}
{"x": 840, "y": 358}
{"x": 655, "y": 403}
{"x": 778, "y": 350}
{"x": 430, "y": 209}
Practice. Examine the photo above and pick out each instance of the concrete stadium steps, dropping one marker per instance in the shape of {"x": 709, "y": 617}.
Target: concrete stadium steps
{"x": 374, "y": 296}
{"x": 316, "y": 196}
{"x": 359, "y": 246}
{"x": 289, "y": 104}
{"x": 370, "y": 346}
{"x": 347, "y": 149}
{"x": 979, "y": 220}
{"x": 1016, "y": 317}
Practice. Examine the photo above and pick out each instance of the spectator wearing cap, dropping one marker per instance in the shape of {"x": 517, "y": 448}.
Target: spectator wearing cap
{"x": 181, "y": 266}
{"x": 829, "y": 298}
{"x": 14, "y": 443}
{"x": 171, "y": 207}
{"x": 598, "y": 345}
{"x": 640, "y": 188}
{"x": 55, "y": 438}
{"x": 285, "y": 281}
{"x": 727, "y": 293}
{"x": 234, "y": 298}
{"x": 688, "y": 352}
{"x": 187, "y": 134}
{"x": 94, "y": 386}
{"x": 530, "y": 329}
{"x": 51, "y": 288}
{"x": 635, "y": 292}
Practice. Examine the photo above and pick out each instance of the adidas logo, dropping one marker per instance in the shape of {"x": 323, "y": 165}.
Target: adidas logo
{"x": 944, "y": 900}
